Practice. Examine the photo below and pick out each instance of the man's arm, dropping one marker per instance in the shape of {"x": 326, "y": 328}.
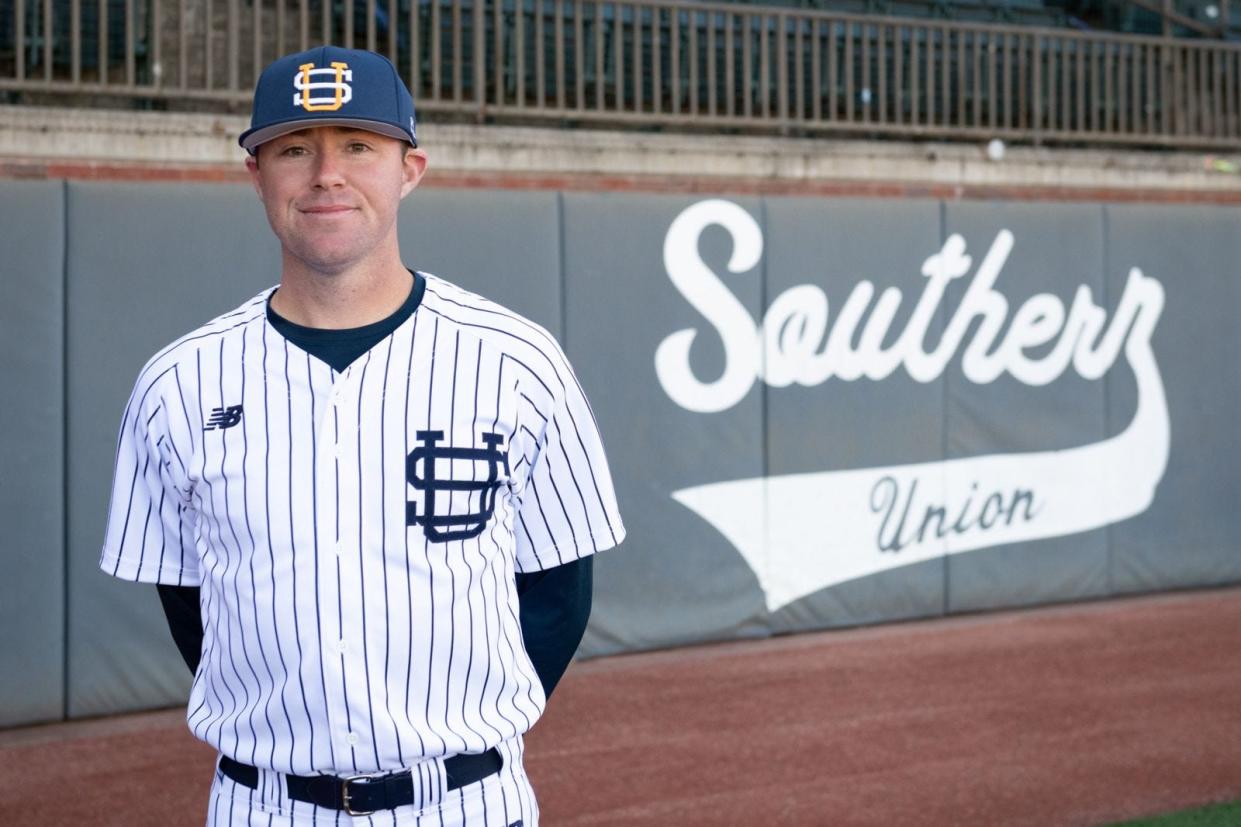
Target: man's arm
{"x": 184, "y": 621}
{"x": 555, "y": 605}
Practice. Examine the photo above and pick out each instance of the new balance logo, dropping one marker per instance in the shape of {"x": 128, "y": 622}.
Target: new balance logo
{"x": 223, "y": 418}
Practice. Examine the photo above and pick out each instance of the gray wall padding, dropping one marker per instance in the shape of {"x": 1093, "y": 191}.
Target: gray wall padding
{"x": 1054, "y": 251}
{"x": 784, "y": 463}
{"x": 1191, "y": 536}
{"x": 147, "y": 263}
{"x": 32, "y": 455}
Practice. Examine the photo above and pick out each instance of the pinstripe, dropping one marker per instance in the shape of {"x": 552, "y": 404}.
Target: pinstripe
{"x": 340, "y": 611}
{"x": 297, "y": 626}
{"x": 268, "y": 436}
{"x": 257, "y": 628}
{"x": 232, "y": 525}
{"x": 432, "y": 662}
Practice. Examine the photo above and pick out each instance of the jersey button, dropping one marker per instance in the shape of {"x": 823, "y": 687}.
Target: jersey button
{"x": 352, "y": 738}
{"x": 341, "y": 646}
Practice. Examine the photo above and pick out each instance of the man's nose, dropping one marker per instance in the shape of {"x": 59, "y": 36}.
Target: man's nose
{"x": 327, "y": 170}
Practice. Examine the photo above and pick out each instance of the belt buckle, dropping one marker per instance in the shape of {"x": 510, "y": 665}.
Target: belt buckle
{"x": 344, "y": 794}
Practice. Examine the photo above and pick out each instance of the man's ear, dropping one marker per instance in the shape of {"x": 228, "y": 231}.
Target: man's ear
{"x": 252, "y": 165}
{"x": 415, "y": 164}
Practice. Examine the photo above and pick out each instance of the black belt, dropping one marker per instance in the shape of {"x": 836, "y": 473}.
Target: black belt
{"x": 359, "y": 795}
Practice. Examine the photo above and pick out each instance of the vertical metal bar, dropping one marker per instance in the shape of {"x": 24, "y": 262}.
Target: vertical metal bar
{"x": 730, "y": 65}
{"x": 1217, "y": 107}
{"x": 1141, "y": 89}
{"x": 434, "y": 32}
{"x": 457, "y": 57}
{"x": 847, "y": 68}
{"x": 979, "y": 43}
{"x": 558, "y": 56}
{"x": 183, "y": 44}
{"x": 764, "y": 67}
{"x": 519, "y": 49}
{"x": 1230, "y": 111}
{"x": 19, "y": 44}
{"x": 1036, "y": 83}
{"x": 963, "y": 78}
{"x": 1123, "y": 67}
{"x": 636, "y": 56}
{"x": 693, "y": 61}
{"x": 657, "y": 75}
{"x": 898, "y": 71}
{"x": 415, "y": 48}
{"x": 1080, "y": 122}
{"x": 208, "y": 55}
{"x": 674, "y": 60}
{"x": 881, "y": 80}
{"x": 281, "y": 23}
{"x": 1023, "y": 70}
{"x": 940, "y": 55}
{"x": 394, "y": 26}
{"x": 347, "y": 13}
{"x": 747, "y": 65}
{"x": 234, "y": 44}
{"x": 993, "y": 108}
{"x": 1006, "y": 77}
{"x": 1066, "y": 88}
{"x": 130, "y": 68}
{"x": 618, "y": 57}
{"x": 832, "y": 70}
{"x": 799, "y": 87}
{"x": 712, "y": 59}
{"x": 303, "y": 23}
{"x": 915, "y": 88}
{"x": 1109, "y": 89}
{"x": 47, "y": 40}
{"x": 1096, "y": 101}
{"x": 540, "y": 57}
{"x": 600, "y": 48}
{"x": 945, "y": 78}
{"x": 579, "y": 54}
{"x": 816, "y": 69}
{"x": 1205, "y": 124}
{"x": 497, "y": 46}
{"x": 256, "y": 39}
{"x": 325, "y": 21}
{"x": 780, "y": 54}
{"x": 1154, "y": 90}
{"x": 1050, "y": 52}
{"x": 371, "y": 36}
{"x": 480, "y": 57}
{"x": 75, "y": 40}
{"x": 867, "y": 94}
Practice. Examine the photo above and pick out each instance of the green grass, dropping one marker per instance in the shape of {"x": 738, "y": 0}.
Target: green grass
{"x": 1217, "y": 815}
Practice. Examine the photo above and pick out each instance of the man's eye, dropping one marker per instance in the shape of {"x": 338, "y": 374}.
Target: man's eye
{"x": 358, "y": 146}
{"x": 293, "y": 151}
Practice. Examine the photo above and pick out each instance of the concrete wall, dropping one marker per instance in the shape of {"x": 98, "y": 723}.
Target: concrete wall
{"x": 791, "y": 485}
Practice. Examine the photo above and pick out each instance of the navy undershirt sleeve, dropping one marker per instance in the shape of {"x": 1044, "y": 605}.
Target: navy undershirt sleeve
{"x": 554, "y": 604}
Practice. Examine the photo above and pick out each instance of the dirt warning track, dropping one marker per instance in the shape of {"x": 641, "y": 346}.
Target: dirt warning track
{"x": 1070, "y": 715}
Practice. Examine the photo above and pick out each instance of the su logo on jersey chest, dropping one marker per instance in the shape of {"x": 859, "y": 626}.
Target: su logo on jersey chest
{"x": 422, "y": 468}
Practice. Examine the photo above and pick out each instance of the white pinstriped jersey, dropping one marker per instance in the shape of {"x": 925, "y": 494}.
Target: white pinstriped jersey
{"x": 356, "y": 534}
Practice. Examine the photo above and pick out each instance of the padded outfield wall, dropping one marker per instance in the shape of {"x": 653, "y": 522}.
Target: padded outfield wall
{"x": 819, "y": 412}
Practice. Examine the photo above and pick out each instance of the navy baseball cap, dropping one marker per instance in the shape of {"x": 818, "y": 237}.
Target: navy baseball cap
{"x": 330, "y": 86}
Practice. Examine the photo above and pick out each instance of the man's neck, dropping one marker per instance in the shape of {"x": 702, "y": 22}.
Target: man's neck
{"x": 338, "y": 301}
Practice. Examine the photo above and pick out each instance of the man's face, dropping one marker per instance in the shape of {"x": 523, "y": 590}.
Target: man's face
{"x": 332, "y": 193}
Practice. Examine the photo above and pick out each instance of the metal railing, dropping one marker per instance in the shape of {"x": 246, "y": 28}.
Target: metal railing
{"x": 651, "y": 63}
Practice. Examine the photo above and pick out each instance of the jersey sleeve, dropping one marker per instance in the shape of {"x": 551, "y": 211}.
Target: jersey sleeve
{"x": 568, "y": 508}
{"x": 150, "y": 533}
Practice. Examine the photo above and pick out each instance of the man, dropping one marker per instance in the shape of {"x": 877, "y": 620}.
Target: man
{"x": 369, "y": 497}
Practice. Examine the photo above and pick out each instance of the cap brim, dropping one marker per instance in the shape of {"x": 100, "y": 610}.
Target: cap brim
{"x": 251, "y": 139}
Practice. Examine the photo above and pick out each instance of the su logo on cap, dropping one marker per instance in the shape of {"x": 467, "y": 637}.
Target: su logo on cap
{"x": 304, "y": 82}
